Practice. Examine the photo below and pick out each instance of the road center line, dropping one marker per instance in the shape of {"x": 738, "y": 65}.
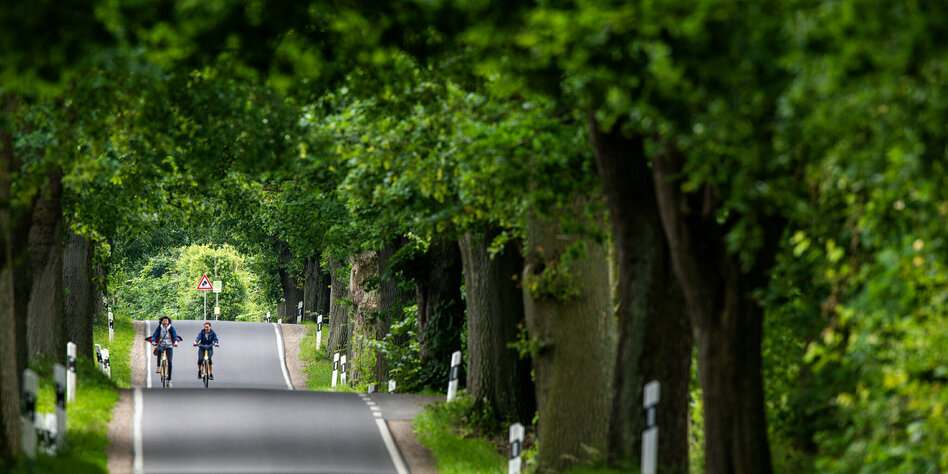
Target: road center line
{"x": 138, "y": 466}
{"x": 281, "y": 354}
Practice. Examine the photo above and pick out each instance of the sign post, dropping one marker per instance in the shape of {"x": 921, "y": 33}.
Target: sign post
{"x": 516, "y": 448}
{"x": 70, "y": 372}
{"x": 650, "y": 435}
{"x": 59, "y": 373}
{"x": 217, "y": 304}
{"x": 205, "y": 285}
{"x": 319, "y": 330}
{"x": 455, "y": 373}
{"x": 28, "y": 423}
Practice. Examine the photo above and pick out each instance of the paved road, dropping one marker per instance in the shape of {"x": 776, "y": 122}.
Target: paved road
{"x": 248, "y": 420}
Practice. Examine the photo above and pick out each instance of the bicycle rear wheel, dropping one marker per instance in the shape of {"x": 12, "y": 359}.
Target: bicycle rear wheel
{"x": 205, "y": 369}
{"x": 164, "y": 373}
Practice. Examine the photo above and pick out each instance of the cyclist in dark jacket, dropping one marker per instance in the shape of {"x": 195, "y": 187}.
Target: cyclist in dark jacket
{"x": 206, "y": 339}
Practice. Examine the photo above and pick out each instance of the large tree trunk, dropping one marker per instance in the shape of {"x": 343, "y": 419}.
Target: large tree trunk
{"x": 654, "y": 331}
{"x": 310, "y": 289}
{"x": 570, "y": 319}
{"x": 47, "y": 324}
{"x": 15, "y": 282}
{"x": 79, "y": 294}
{"x": 392, "y": 300}
{"x": 497, "y": 377}
{"x": 364, "y": 316}
{"x": 440, "y": 309}
{"x": 290, "y": 282}
{"x": 726, "y": 318}
{"x": 338, "y": 311}
{"x": 323, "y": 290}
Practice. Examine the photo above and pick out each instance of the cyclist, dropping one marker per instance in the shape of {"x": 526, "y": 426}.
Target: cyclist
{"x": 165, "y": 338}
{"x": 206, "y": 338}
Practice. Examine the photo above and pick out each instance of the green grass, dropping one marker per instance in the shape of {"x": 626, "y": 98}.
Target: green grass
{"x": 319, "y": 370}
{"x": 120, "y": 349}
{"x": 441, "y": 427}
{"x": 88, "y": 417}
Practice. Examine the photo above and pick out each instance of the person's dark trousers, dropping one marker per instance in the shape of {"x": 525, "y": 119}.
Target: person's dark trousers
{"x": 170, "y": 352}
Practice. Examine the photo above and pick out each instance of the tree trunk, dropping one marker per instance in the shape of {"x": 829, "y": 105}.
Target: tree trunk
{"x": 497, "y": 377}
{"x": 289, "y": 281}
{"x": 79, "y": 294}
{"x": 654, "y": 331}
{"x": 309, "y": 289}
{"x": 47, "y": 324}
{"x": 338, "y": 311}
{"x": 15, "y": 282}
{"x": 440, "y": 310}
{"x": 570, "y": 319}
{"x": 392, "y": 300}
{"x": 323, "y": 290}
{"x": 726, "y": 319}
{"x": 365, "y": 307}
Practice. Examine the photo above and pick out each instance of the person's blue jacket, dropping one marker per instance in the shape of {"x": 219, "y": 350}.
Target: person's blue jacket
{"x": 154, "y": 336}
{"x": 206, "y": 339}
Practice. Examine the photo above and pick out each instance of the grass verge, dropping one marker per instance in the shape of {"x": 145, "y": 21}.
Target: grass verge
{"x": 88, "y": 417}
{"x": 319, "y": 369}
{"x": 443, "y": 429}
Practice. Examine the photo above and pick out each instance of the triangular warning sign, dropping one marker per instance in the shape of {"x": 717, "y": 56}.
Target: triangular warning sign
{"x": 205, "y": 284}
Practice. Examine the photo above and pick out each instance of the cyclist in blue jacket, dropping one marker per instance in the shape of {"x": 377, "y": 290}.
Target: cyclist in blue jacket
{"x": 165, "y": 338}
{"x": 206, "y": 339}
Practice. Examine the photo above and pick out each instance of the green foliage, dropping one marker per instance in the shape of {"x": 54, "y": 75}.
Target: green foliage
{"x": 120, "y": 349}
{"x": 400, "y": 349}
{"x": 442, "y": 429}
{"x": 319, "y": 368}
{"x": 166, "y": 286}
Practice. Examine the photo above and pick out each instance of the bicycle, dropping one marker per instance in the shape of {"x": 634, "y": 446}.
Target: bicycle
{"x": 205, "y": 365}
{"x": 164, "y": 369}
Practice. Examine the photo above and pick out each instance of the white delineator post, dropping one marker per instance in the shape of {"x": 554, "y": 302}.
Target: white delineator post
{"x": 319, "y": 330}
{"x": 650, "y": 434}
{"x": 342, "y": 374}
{"x": 28, "y": 418}
{"x": 268, "y": 316}
{"x": 299, "y": 313}
{"x": 335, "y": 368}
{"x": 454, "y": 374}
{"x": 516, "y": 448}
{"x": 391, "y": 386}
{"x": 59, "y": 375}
{"x": 111, "y": 327}
{"x": 280, "y": 321}
{"x": 98, "y": 355}
{"x": 70, "y": 372}
{"x": 105, "y": 363}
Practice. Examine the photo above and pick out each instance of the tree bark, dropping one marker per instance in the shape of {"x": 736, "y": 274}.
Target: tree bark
{"x": 392, "y": 300}
{"x": 497, "y": 377}
{"x": 726, "y": 319}
{"x": 289, "y": 281}
{"x": 440, "y": 309}
{"x": 654, "y": 332}
{"x": 46, "y": 328}
{"x": 338, "y": 311}
{"x": 572, "y": 324}
{"x": 79, "y": 294}
{"x": 323, "y": 290}
{"x": 15, "y": 282}
{"x": 310, "y": 289}
{"x": 365, "y": 308}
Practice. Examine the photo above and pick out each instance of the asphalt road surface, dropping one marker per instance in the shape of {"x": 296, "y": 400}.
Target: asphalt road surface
{"x": 249, "y": 419}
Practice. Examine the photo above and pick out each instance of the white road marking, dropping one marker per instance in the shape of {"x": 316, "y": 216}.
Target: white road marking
{"x": 280, "y": 352}
{"x": 137, "y": 431}
{"x": 390, "y": 445}
{"x": 148, "y": 355}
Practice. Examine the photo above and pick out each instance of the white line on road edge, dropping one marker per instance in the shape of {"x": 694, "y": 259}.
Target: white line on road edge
{"x": 282, "y": 354}
{"x": 139, "y": 465}
{"x": 390, "y": 445}
{"x": 148, "y": 355}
